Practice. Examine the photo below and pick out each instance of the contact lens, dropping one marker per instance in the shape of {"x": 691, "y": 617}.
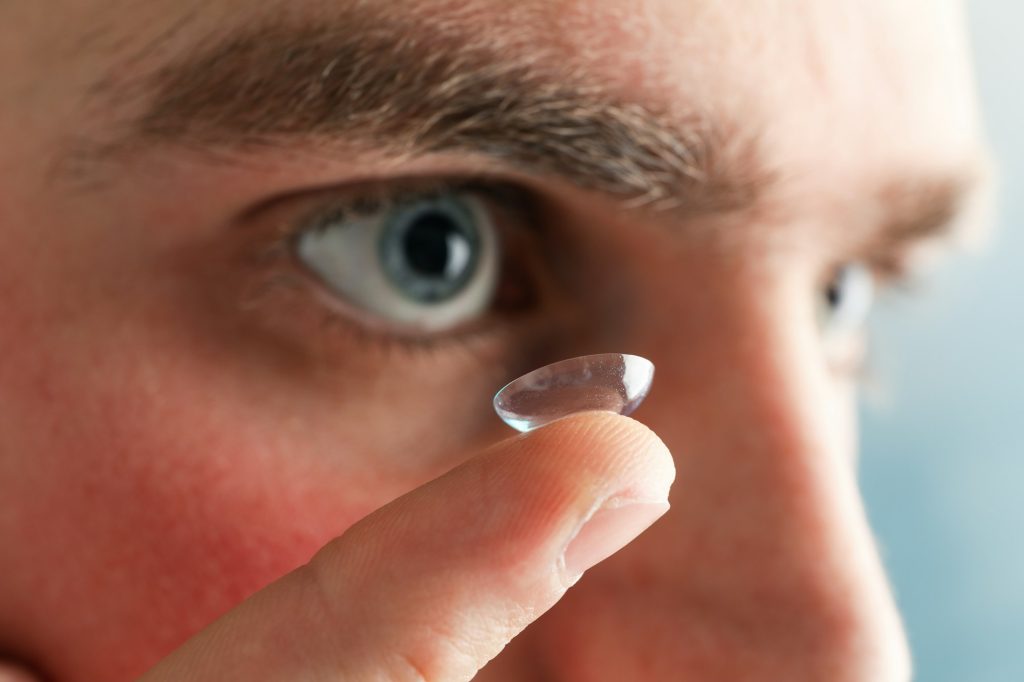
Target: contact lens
{"x": 610, "y": 382}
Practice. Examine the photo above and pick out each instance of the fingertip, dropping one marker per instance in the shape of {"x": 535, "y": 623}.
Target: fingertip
{"x": 613, "y": 446}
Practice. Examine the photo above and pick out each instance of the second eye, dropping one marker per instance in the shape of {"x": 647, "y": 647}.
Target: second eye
{"x": 426, "y": 264}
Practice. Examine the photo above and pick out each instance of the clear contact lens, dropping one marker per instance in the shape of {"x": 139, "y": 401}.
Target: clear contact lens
{"x": 610, "y": 382}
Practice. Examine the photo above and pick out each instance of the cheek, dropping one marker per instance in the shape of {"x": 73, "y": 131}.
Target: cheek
{"x": 145, "y": 500}
{"x": 160, "y": 466}
{"x": 159, "y": 463}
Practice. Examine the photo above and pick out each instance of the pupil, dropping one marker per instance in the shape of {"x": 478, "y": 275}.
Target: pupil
{"x": 833, "y": 295}
{"x": 426, "y": 244}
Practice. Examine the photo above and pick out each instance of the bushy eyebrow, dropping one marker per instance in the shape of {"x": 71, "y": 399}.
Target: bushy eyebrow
{"x": 364, "y": 80}
{"x": 400, "y": 90}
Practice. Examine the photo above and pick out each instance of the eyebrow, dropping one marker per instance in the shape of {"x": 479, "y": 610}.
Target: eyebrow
{"x": 385, "y": 88}
{"x": 366, "y": 81}
{"x": 954, "y": 208}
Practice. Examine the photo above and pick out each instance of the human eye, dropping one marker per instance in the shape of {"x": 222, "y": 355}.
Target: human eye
{"x": 844, "y": 305}
{"x": 414, "y": 261}
{"x": 427, "y": 262}
{"x": 846, "y": 300}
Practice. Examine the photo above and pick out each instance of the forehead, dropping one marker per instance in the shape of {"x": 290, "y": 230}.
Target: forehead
{"x": 839, "y": 76}
{"x": 831, "y": 89}
{"x": 881, "y": 82}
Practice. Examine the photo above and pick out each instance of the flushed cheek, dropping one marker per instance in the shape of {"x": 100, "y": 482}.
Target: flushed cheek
{"x": 153, "y": 510}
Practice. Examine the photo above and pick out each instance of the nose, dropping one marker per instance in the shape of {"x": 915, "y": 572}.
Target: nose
{"x": 765, "y": 567}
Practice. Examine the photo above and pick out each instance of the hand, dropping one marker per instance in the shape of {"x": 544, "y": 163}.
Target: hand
{"x": 435, "y": 584}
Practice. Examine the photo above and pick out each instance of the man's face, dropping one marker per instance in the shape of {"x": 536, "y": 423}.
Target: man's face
{"x": 199, "y": 388}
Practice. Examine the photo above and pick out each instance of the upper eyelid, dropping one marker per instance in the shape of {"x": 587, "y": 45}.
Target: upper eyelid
{"x": 361, "y": 200}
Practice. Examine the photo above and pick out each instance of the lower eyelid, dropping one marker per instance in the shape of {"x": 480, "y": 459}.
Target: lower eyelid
{"x": 284, "y": 304}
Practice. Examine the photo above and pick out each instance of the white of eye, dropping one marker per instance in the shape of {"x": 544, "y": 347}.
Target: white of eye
{"x": 845, "y": 304}
{"x": 426, "y": 264}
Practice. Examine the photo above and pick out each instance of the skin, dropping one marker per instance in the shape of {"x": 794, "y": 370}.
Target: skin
{"x": 172, "y": 443}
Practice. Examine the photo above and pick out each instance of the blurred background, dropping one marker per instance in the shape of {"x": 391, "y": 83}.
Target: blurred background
{"x": 943, "y": 439}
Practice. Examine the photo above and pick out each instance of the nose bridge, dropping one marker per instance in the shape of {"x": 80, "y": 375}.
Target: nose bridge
{"x": 766, "y": 548}
{"x": 759, "y": 430}
{"x": 766, "y": 520}
{"x": 765, "y": 508}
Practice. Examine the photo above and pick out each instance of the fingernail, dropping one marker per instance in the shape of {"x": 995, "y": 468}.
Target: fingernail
{"x": 607, "y": 531}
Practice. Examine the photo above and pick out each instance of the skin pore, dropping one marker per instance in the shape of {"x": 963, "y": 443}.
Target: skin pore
{"x": 187, "y": 414}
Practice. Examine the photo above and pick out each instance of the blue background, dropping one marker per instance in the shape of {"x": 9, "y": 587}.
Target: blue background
{"x": 943, "y": 438}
